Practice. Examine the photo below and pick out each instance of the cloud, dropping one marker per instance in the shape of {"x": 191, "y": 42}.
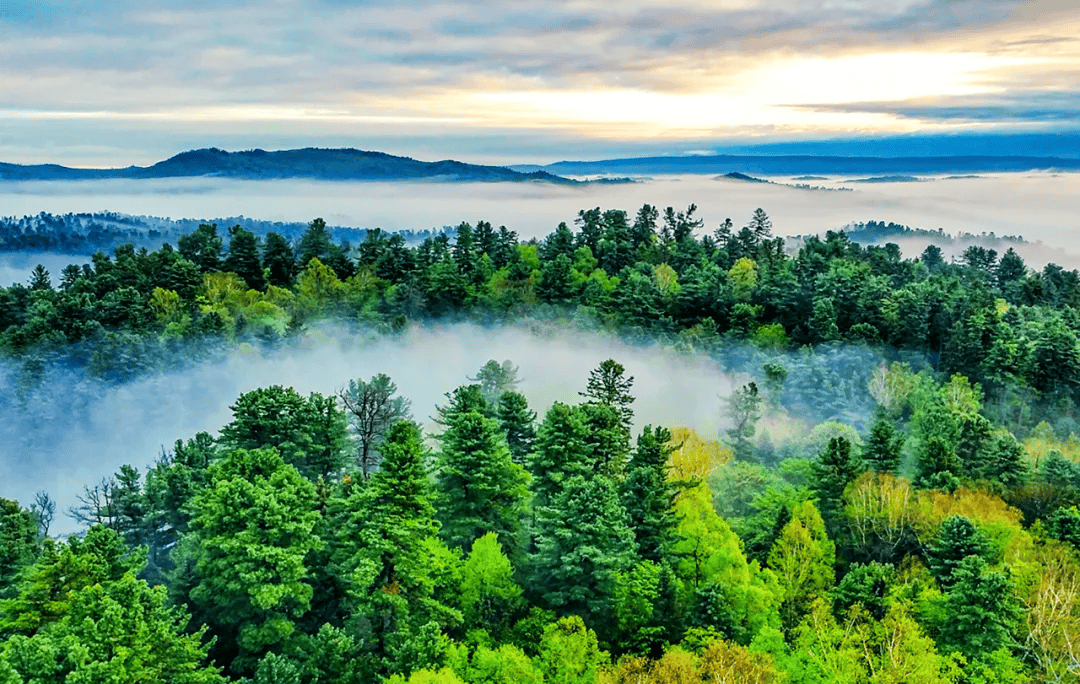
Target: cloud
{"x": 406, "y": 60}
{"x": 1026, "y": 107}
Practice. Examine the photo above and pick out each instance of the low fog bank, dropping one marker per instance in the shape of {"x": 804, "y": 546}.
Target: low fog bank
{"x": 70, "y": 433}
{"x": 1038, "y": 206}
{"x": 15, "y": 267}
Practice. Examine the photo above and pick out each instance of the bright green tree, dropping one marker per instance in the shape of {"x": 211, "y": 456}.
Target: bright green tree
{"x": 118, "y": 631}
{"x": 251, "y": 530}
{"x": 569, "y": 653}
{"x": 803, "y": 559}
{"x": 490, "y": 599}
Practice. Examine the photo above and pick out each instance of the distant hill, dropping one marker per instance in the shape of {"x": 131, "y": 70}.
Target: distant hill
{"x": 808, "y": 165}
{"x": 315, "y": 163}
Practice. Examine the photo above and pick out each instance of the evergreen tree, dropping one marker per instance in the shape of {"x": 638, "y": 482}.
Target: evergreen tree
{"x": 311, "y": 433}
{"x": 496, "y": 379}
{"x": 563, "y": 450}
{"x": 884, "y": 446}
{"x": 582, "y": 539}
{"x": 243, "y": 258}
{"x": 480, "y": 489}
{"x": 649, "y": 496}
{"x": 279, "y": 261}
{"x": 609, "y": 385}
{"x": 315, "y": 243}
{"x": 202, "y": 247}
{"x": 981, "y": 612}
{"x": 518, "y": 424}
{"x": 835, "y": 468}
{"x": 957, "y": 539}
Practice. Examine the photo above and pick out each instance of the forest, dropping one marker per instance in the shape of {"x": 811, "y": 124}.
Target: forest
{"x": 893, "y": 498}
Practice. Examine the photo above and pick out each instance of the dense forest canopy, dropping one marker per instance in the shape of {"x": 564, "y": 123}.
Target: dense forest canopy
{"x": 924, "y": 530}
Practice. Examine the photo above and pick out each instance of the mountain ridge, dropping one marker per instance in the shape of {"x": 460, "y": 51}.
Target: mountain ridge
{"x": 309, "y": 163}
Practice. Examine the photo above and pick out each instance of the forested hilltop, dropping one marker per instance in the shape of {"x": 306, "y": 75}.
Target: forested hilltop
{"x": 893, "y": 500}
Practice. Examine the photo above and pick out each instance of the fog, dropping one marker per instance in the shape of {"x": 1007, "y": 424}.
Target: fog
{"x": 1040, "y": 206}
{"x": 71, "y": 433}
{"x": 15, "y": 267}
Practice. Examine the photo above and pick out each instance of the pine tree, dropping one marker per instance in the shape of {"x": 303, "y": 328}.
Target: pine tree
{"x": 957, "y": 539}
{"x": 279, "y": 261}
{"x": 518, "y": 424}
{"x": 982, "y": 610}
{"x": 243, "y": 258}
{"x": 884, "y": 446}
{"x": 583, "y": 538}
{"x": 563, "y": 450}
{"x": 609, "y": 385}
{"x": 649, "y": 496}
{"x": 835, "y": 468}
{"x": 479, "y": 488}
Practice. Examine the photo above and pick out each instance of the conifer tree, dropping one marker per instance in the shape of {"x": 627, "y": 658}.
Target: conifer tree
{"x": 518, "y": 423}
{"x": 479, "y": 487}
{"x": 836, "y": 467}
{"x": 563, "y": 450}
{"x": 884, "y": 446}
{"x": 583, "y": 538}
{"x": 649, "y": 496}
{"x": 957, "y": 539}
{"x": 243, "y": 258}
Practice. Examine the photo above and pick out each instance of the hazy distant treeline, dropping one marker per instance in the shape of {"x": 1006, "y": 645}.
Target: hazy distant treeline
{"x": 88, "y": 232}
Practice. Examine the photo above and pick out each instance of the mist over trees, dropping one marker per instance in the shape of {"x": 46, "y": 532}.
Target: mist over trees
{"x": 892, "y": 497}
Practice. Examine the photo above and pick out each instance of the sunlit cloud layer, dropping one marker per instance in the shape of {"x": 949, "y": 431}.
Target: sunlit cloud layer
{"x": 136, "y": 81}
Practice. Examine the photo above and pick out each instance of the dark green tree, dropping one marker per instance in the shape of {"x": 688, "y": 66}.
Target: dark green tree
{"x": 836, "y": 467}
{"x": 884, "y": 446}
{"x": 518, "y": 423}
{"x": 18, "y": 544}
{"x": 243, "y": 258}
{"x": 202, "y": 247}
{"x": 583, "y": 538}
{"x": 279, "y": 261}
{"x": 649, "y": 496}
{"x": 563, "y": 450}
{"x": 479, "y": 488}
{"x": 608, "y": 385}
{"x": 311, "y": 434}
{"x": 982, "y": 611}
{"x": 957, "y": 539}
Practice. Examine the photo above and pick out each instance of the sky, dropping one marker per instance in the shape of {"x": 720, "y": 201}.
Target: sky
{"x": 129, "y": 82}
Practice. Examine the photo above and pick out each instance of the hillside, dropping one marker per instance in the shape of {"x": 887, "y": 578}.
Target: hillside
{"x": 324, "y": 164}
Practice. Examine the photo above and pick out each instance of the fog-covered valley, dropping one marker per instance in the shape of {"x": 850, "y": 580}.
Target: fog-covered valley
{"x": 67, "y": 432}
{"x": 1004, "y": 204}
